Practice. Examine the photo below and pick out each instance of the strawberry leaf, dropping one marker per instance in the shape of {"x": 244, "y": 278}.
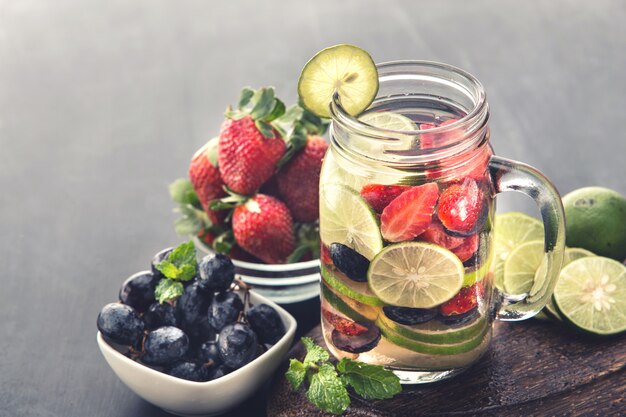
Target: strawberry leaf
{"x": 263, "y": 103}
{"x": 244, "y": 98}
{"x": 182, "y": 192}
{"x": 224, "y": 242}
{"x": 279, "y": 110}
{"x": 265, "y": 129}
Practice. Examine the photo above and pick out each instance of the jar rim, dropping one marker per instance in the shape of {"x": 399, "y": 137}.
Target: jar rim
{"x": 390, "y": 68}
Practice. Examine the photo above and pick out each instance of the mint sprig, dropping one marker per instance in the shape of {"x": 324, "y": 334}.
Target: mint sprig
{"x": 168, "y": 290}
{"x": 328, "y": 384}
{"x": 181, "y": 264}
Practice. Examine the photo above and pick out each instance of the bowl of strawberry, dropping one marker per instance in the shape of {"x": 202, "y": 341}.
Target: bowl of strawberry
{"x": 252, "y": 194}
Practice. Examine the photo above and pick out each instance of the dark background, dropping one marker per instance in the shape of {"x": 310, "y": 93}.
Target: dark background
{"x": 102, "y": 104}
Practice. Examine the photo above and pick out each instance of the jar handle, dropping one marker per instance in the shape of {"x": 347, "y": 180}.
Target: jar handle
{"x": 508, "y": 175}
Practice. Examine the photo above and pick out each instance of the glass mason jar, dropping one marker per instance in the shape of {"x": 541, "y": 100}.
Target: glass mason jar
{"x": 406, "y": 223}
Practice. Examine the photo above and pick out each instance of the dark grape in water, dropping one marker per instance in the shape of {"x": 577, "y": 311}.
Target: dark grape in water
{"x": 191, "y": 314}
{"x": 266, "y": 322}
{"x": 190, "y": 371}
{"x": 217, "y": 273}
{"x": 237, "y": 344}
{"x": 459, "y": 319}
{"x": 224, "y": 309}
{"x": 350, "y": 262}
{"x": 158, "y": 258}
{"x": 410, "y": 316}
{"x": 159, "y": 315}
{"x": 165, "y": 346}
{"x": 138, "y": 290}
{"x": 358, "y": 343}
{"x": 120, "y": 323}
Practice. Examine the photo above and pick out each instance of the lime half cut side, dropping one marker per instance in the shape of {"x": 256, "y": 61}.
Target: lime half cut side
{"x": 511, "y": 230}
{"x": 591, "y": 294}
{"x": 345, "y": 217}
{"x": 347, "y": 69}
{"x": 415, "y": 274}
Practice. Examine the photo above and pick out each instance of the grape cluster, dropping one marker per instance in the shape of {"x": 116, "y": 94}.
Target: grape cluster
{"x": 206, "y": 333}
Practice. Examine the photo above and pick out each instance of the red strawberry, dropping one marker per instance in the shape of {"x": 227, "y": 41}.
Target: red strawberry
{"x": 467, "y": 248}
{"x": 435, "y": 233}
{"x": 298, "y": 181}
{"x": 379, "y": 196}
{"x": 461, "y": 207}
{"x": 247, "y": 158}
{"x": 409, "y": 214}
{"x": 343, "y": 325}
{"x": 205, "y": 178}
{"x": 325, "y": 255}
{"x": 263, "y": 227}
{"x": 464, "y": 301}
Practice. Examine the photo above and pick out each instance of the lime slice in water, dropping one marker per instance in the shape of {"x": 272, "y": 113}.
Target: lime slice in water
{"x": 591, "y": 294}
{"x": 415, "y": 274}
{"x": 347, "y": 69}
{"x": 511, "y": 230}
{"x": 521, "y": 265}
{"x": 345, "y": 217}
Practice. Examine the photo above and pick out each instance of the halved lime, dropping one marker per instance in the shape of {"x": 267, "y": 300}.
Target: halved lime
{"x": 431, "y": 348}
{"x": 345, "y": 217}
{"x": 542, "y": 316}
{"x": 521, "y": 266}
{"x": 415, "y": 274}
{"x": 591, "y": 294}
{"x": 358, "y": 291}
{"x": 511, "y": 230}
{"x": 434, "y": 331}
{"x": 347, "y": 69}
{"x": 570, "y": 255}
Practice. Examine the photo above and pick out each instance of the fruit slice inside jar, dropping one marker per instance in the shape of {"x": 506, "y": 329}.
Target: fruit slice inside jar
{"x": 341, "y": 284}
{"x": 591, "y": 294}
{"x": 345, "y": 217}
{"x": 350, "y": 307}
{"x": 416, "y": 275}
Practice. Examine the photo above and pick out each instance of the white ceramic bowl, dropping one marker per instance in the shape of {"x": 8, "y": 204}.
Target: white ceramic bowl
{"x": 281, "y": 283}
{"x": 187, "y": 398}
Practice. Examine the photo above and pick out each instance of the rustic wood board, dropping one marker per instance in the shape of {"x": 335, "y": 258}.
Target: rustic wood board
{"x": 532, "y": 369}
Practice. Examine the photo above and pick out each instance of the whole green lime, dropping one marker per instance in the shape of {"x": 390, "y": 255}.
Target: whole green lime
{"x": 596, "y": 221}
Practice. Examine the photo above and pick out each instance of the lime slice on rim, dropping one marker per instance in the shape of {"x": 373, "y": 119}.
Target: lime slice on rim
{"x": 570, "y": 255}
{"x": 591, "y": 294}
{"x": 521, "y": 266}
{"x": 511, "y": 230}
{"x": 347, "y": 69}
{"x": 345, "y": 217}
{"x": 415, "y": 274}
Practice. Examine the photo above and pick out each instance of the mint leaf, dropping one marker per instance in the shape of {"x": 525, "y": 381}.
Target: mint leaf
{"x": 314, "y": 353}
{"x": 296, "y": 373}
{"x": 327, "y": 391}
{"x": 181, "y": 264}
{"x": 369, "y": 381}
{"x": 168, "y": 290}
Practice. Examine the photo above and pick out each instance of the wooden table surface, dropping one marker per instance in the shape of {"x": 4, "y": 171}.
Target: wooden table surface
{"x": 102, "y": 104}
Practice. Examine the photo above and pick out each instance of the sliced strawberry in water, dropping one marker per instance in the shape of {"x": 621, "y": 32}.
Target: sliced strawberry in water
{"x": 379, "y": 196}
{"x": 436, "y": 233}
{"x": 343, "y": 325}
{"x": 325, "y": 255}
{"x": 467, "y": 248}
{"x": 410, "y": 213}
{"x": 461, "y": 208}
{"x": 464, "y": 301}
{"x": 437, "y": 140}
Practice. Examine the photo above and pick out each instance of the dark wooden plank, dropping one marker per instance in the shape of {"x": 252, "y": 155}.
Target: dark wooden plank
{"x": 532, "y": 368}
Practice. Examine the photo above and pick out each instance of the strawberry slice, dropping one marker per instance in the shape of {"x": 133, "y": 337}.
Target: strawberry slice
{"x": 379, "y": 196}
{"x": 436, "y": 233}
{"x": 409, "y": 214}
{"x": 437, "y": 140}
{"x": 461, "y": 208}
{"x": 343, "y": 325}
{"x": 464, "y": 301}
{"x": 325, "y": 255}
{"x": 467, "y": 248}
